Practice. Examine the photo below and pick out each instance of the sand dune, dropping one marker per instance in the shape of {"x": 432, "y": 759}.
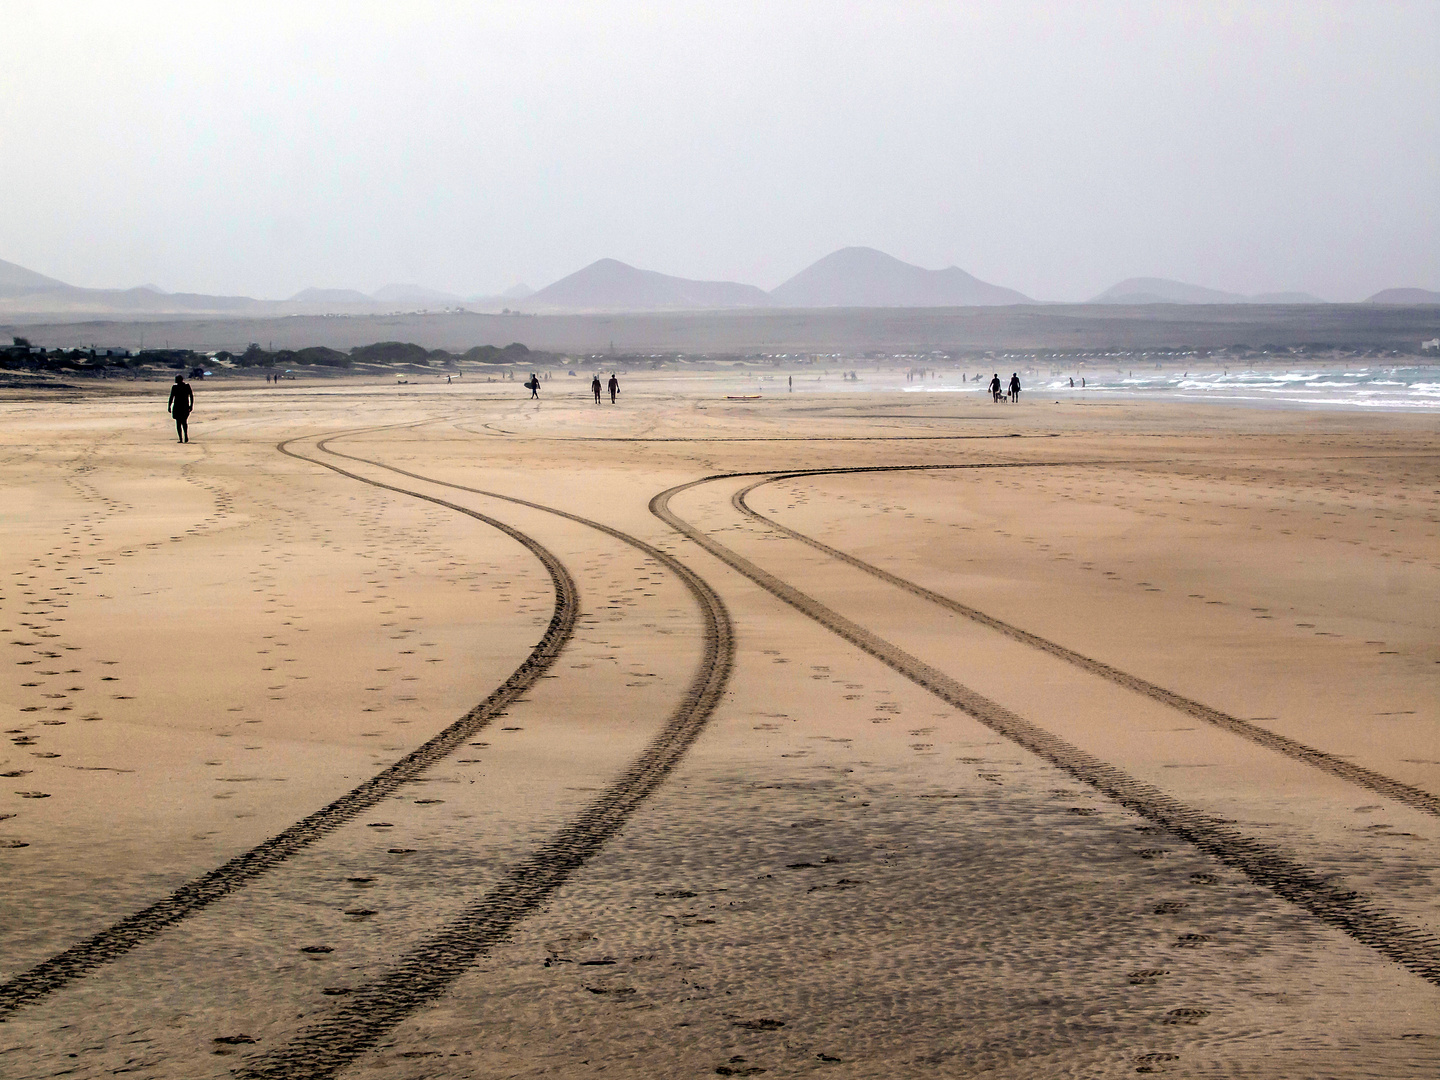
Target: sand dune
{"x": 427, "y": 731}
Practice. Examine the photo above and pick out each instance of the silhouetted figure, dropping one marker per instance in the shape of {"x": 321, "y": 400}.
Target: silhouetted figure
{"x": 1014, "y": 387}
{"x": 1072, "y": 384}
{"x": 614, "y": 385}
{"x": 995, "y": 387}
{"x": 534, "y": 386}
{"x": 595, "y": 388}
{"x": 791, "y": 381}
{"x": 182, "y": 400}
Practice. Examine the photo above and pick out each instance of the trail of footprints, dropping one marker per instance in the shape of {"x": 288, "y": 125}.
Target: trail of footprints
{"x": 57, "y": 685}
{"x": 32, "y": 604}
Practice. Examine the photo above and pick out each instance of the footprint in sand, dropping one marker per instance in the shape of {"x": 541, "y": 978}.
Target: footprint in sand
{"x": 1146, "y": 976}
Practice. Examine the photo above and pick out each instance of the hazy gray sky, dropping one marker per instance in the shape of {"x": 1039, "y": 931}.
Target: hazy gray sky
{"x": 1050, "y": 147}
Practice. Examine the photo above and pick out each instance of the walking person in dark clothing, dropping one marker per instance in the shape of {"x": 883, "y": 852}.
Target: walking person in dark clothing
{"x": 1014, "y": 387}
{"x": 995, "y": 387}
{"x": 614, "y": 387}
{"x": 182, "y": 400}
{"x": 595, "y": 388}
{"x": 534, "y": 386}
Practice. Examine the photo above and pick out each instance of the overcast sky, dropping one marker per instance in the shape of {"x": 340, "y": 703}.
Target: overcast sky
{"x": 1051, "y": 147}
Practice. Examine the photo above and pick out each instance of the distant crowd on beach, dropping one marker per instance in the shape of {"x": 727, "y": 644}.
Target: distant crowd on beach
{"x": 182, "y": 397}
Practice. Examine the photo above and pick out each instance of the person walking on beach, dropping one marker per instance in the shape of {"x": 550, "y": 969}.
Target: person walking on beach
{"x": 182, "y": 400}
{"x": 995, "y": 387}
{"x": 595, "y": 388}
{"x": 534, "y": 385}
{"x": 1014, "y": 387}
{"x": 614, "y": 387}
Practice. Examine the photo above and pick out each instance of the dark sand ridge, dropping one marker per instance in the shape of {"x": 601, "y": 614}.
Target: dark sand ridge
{"x": 680, "y": 843}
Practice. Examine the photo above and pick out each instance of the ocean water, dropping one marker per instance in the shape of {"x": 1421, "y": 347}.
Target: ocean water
{"x": 1401, "y": 388}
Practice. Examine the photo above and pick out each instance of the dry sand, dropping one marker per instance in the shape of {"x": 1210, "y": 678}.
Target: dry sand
{"x": 1109, "y": 747}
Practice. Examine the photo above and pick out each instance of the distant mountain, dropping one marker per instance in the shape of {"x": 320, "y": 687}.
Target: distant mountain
{"x": 1163, "y": 291}
{"x": 864, "y": 277}
{"x": 16, "y": 279}
{"x": 610, "y": 285}
{"x": 329, "y": 296}
{"x": 1150, "y": 290}
{"x": 1285, "y": 298}
{"x": 415, "y": 294}
{"x": 518, "y": 292}
{"x": 1405, "y": 296}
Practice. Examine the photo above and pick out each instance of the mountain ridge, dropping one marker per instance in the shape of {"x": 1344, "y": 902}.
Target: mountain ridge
{"x": 611, "y": 285}
{"x": 1404, "y": 296}
{"x": 15, "y": 277}
{"x": 865, "y": 277}
{"x": 849, "y": 277}
{"x": 329, "y": 296}
{"x": 1150, "y": 290}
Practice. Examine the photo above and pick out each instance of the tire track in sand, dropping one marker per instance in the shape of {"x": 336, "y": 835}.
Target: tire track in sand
{"x": 1263, "y": 864}
{"x": 119, "y": 938}
{"x": 425, "y": 972}
{"x": 1379, "y": 783}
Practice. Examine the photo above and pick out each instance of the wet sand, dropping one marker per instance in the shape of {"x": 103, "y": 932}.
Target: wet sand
{"x": 942, "y": 738}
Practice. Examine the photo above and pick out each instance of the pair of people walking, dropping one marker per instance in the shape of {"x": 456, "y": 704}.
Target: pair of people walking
{"x": 614, "y": 386}
{"x": 998, "y": 393}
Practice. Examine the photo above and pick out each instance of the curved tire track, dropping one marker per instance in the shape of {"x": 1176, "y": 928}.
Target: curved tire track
{"x": 116, "y": 940}
{"x": 1263, "y": 864}
{"x": 1378, "y": 783}
{"x": 427, "y": 970}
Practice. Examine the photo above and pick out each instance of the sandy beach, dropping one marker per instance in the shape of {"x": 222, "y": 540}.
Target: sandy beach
{"x": 428, "y": 731}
